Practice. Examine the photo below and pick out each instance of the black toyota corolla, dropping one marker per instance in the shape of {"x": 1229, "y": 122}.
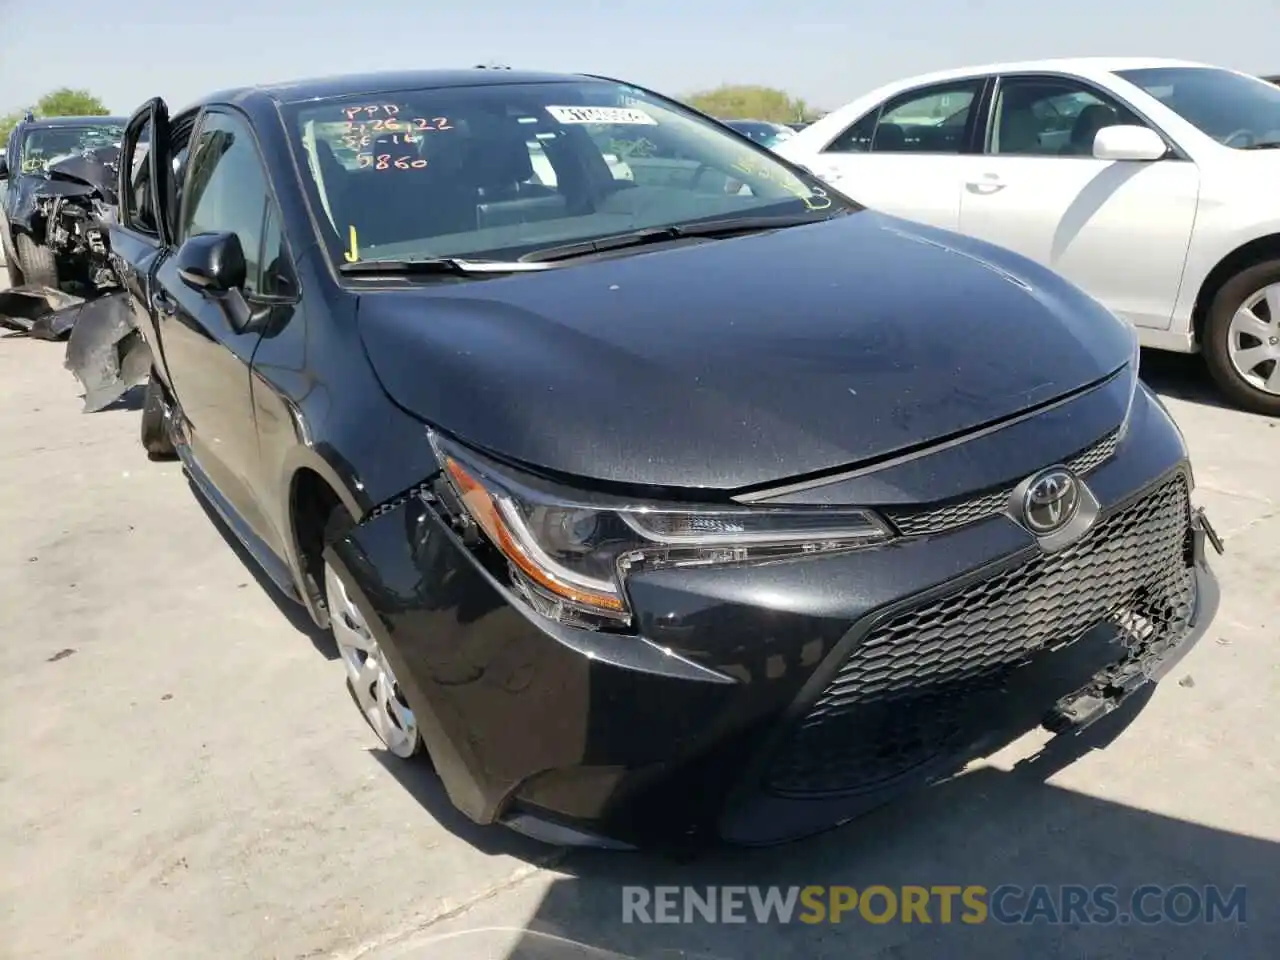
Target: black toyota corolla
{"x": 650, "y": 489}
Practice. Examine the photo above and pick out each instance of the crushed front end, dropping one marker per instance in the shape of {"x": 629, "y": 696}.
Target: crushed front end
{"x": 63, "y": 212}
{"x": 74, "y": 226}
{"x": 756, "y": 698}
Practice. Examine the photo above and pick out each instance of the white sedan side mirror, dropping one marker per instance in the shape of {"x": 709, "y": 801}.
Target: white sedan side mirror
{"x": 1128, "y": 143}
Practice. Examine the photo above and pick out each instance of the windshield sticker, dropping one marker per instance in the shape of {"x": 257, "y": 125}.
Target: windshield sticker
{"x": 605, "y": 115}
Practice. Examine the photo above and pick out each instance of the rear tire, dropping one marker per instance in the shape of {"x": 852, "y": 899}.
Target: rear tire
{"x": 37, "y": 262}
{"x": 154, "y": 431}
{"x": 1243, "y": 353}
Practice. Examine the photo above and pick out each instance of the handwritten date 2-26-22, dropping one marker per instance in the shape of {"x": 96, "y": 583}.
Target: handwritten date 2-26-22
{"x": 361, "y": 129}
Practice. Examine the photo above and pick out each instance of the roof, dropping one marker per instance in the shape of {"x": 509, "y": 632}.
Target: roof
{"x": 75, "y": 121}
{"x": 356, "y": 84}
{"x": 1080, "y": 65}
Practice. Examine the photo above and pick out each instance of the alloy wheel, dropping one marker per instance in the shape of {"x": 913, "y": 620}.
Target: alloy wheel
{"x": 1253, "y": 340}
{"x": 373, "y": 682}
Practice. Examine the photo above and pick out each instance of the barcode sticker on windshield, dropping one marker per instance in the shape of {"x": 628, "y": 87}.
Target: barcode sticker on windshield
{"x": 601, "y": 115}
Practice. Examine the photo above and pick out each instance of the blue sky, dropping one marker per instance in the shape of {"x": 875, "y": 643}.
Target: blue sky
{"x": 827, "y": 51}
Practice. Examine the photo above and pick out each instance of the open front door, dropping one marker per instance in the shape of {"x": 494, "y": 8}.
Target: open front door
{"x": 146, "y": 174}
{"x": 116, "y": 347}
{"x": 143, "y": 235}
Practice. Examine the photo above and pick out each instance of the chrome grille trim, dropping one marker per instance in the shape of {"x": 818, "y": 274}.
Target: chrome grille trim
{"x": 922, "y": 521}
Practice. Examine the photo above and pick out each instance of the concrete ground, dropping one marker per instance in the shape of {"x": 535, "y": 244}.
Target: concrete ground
{"x": 182, "y": 773}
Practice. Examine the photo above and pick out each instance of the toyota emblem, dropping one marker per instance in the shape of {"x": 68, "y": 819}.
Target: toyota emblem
{"x": 1051, "y": 501}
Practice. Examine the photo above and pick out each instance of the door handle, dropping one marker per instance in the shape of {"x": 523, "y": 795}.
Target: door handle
{"x": 161, "y": 302}
{"x": 987, "y": 183}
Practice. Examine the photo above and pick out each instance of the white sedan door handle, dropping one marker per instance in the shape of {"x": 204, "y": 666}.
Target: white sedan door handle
{"x": 989, "y": 183}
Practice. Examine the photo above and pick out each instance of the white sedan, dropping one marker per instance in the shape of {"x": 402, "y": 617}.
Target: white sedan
{"x": 1152, "y": 184}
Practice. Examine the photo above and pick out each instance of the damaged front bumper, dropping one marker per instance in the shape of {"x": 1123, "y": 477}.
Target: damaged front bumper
{"x": 106, "y": 351}
{"x": 1145, "y": 664}
{"x": 40, "y": 312}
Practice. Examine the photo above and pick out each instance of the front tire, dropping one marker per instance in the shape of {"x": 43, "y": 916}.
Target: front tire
{"x": 156, "y": 416}
{"x": 370, "y": 677}
{"x": 10, "y": 255}
{"x": 1242, "y": 339}
{"x": 37, "y": 262}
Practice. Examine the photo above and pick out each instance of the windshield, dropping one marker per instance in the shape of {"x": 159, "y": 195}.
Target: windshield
{"x": 43, "y": 146}
{"x": 499, "y": 170}
{"x": 1235, "y": 110}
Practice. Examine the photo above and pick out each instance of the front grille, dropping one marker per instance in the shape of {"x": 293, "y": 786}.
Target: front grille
{"x": 905, "y": 695}
{"x": 919, "y": 521}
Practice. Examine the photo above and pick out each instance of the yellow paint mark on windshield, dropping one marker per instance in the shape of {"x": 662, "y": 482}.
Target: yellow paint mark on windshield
{"x": 814, "y": 198}
{"x": 353, "y": 253}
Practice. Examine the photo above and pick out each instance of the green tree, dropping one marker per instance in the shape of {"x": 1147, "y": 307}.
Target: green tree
{"x": 752, "y": 102}
{"x": 66, "y": 102}
{"x": 63, "y": 102}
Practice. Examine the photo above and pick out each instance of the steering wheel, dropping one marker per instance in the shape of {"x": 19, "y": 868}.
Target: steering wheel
{"x": 1238, "y": 135}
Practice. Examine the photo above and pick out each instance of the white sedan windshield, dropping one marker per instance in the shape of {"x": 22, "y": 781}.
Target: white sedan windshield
{"x": 1236, "y": 110}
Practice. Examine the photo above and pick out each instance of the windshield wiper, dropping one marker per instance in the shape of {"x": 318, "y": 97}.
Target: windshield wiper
{"x": 1264, "y": 145}
{"x": 438, "y": 265}
{"x": 711, "y": 229}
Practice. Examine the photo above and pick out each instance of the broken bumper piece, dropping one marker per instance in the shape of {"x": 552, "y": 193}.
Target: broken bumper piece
{"x": 40, "y": 312}
{"x": 106, "y": 353}
{"x": 1145, "y": 664}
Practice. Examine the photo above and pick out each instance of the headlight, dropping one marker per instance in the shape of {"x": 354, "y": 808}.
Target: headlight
{"x": 570, "y": 554}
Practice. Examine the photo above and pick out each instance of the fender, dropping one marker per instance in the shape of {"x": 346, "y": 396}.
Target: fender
{"x": 328, "y": 464}
{"x": 1209, "y": 266}
{"x": 341, "y": 476}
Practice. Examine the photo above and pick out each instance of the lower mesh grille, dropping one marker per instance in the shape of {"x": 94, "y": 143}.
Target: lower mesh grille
{"x": 899, "y": 700}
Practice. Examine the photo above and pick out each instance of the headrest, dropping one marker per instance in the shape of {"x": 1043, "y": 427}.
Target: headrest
{"x": 1091, "y": 119}
{"x": 498, "y": 157}
{"x": 889, "y": 136}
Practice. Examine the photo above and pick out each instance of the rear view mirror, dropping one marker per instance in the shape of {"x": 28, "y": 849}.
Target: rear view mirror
{"x": 1128, "y": 143}
{"x": 213, "y": 263}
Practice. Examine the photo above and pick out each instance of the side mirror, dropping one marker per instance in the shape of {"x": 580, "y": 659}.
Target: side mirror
{"x": 213, "y": 263}
{"x": 4, "y": 169}
{"x": 1128, "y": 143}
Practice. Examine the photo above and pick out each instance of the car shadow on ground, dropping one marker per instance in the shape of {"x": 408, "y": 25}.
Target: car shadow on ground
{"x": 290, "y": 609}
{"x": 989, "y": 827}
{"x": 1181, "y": 375}
{"x": 419, "y": 779}
{"x": 133, "y": 399}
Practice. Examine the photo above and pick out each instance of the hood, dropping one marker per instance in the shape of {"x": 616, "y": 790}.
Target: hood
{"x": 95, "y": 168}
{"x": 741, "y": 362}
{"x": 21, "y": 201}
